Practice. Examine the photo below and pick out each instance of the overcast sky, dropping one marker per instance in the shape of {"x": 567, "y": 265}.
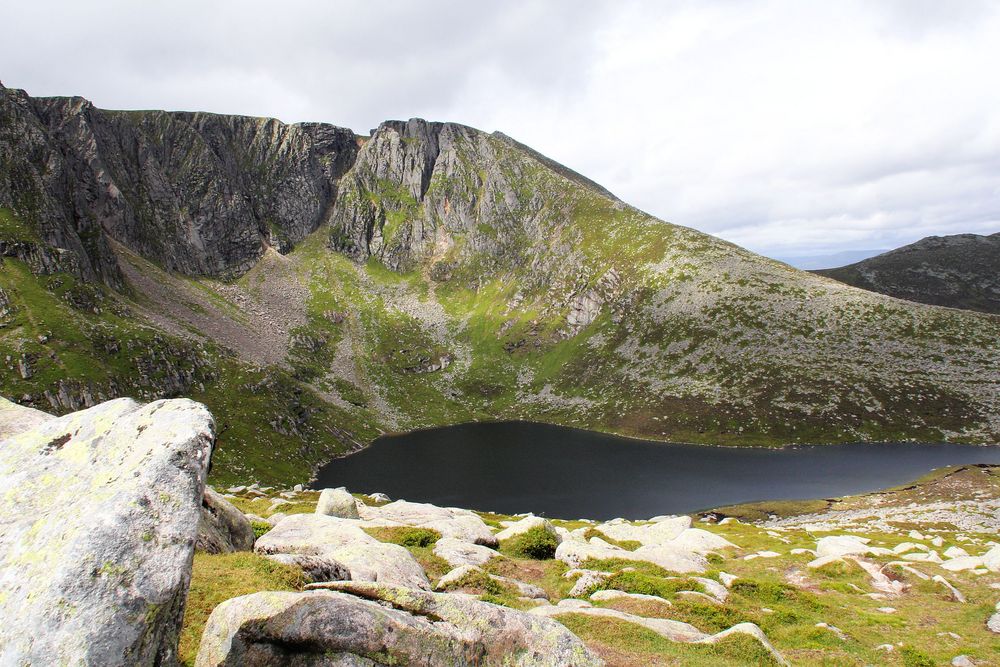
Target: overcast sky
{"x": 789, "y": 127}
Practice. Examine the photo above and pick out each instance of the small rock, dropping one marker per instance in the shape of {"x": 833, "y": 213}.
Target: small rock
{"x": 338, "y": 503}
{"x": 955, "y": 593}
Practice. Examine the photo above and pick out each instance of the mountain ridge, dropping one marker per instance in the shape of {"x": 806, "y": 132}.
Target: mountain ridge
{"x": 333, "y": 287}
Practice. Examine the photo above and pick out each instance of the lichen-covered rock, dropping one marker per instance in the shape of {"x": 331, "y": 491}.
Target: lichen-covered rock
{"x": 575, "y": 553}
{"x": 338, "y": 503}
{"x": 16, "y": 418}
{"x": 458, "y": 552}
{"x": 98, "y": 521}
{"x": 524, "y": 525}
{"x": 314, "y": 568}
{"x": 658, "y": 531}
{"x": 343, "y": 541}
{"x": 453, "y": 522}
{"x": 841, "y": 545}
{"x": 991, "y": 559}
{"x": 368, "y": 624}
{"x": 221, "y": 527}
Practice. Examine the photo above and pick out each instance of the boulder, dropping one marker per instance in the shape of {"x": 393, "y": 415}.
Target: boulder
{"x": 343, "y": 541}
{"x": 699, "y": 541}
{"x": 961, "y": 563}
{"x": 575, "y": 553}
{"x": 457, "y": 553}
{"x": 662, "y": 530}
{"x": 606, "y": 595}
{"x": 991, "y": 559}
{"x": 221, "y": 527}
{"x": 338, "y": 503}
{"x": 586, "y": 579}
{"x": 841, "y": 545}
{"x": 97, "y": 531}
{"x": 450, "y": 522}
{"x": 367, "y": 624}
{"x": 523, "y": 589}
{"x": 16, "y": 418}
{"x": 315, "y": 568}
{"x": 524, "y": 525}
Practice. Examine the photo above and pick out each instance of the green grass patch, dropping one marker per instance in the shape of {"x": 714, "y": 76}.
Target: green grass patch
{"x": 216, "y": 578}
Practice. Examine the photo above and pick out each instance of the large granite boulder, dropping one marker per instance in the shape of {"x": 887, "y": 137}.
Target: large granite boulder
{"x": 221, "y": 527}
{"x": 98, "y": 520}
{"x": 368, "y": 624}
{"x": 16, "y": 418}
{"x": 343, "y": 543}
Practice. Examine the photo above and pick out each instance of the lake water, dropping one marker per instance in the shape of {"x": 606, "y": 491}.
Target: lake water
{"x": 513, "y": 467}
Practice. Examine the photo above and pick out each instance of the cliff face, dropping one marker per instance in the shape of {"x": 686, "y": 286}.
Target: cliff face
{"x": 197, "y": 193}
{"x": 961, "y": 271}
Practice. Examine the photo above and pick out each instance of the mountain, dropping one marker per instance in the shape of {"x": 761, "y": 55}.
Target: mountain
{"x": 316, "y": 288}
{"x": 960, "y": 271}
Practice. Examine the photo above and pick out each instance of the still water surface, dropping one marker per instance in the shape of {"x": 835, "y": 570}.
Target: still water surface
{"x": 513, "y": 467}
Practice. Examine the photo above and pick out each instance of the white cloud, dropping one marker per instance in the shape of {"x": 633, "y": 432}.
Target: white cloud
{"x": 785, "y": 126}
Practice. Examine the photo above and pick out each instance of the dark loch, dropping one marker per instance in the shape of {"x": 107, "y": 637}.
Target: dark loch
{"x": 513, "y": 467}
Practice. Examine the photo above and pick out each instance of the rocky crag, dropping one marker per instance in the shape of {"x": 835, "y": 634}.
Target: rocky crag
{"x": 100, "y": 537}
{"x": 961, "y": 271}
{"x": 316, "y": 288}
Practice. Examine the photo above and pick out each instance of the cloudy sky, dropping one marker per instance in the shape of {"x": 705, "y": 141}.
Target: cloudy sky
{"x": 790, "y": 127}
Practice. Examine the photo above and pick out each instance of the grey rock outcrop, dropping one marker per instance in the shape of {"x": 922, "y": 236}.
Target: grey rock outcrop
{"x": 221, "y": 527}
{"x": 459, "y": 552}
{"x": 97, "y": 533}
{"x": 368, "y": 624}
{"x": 345, "y": 544}
{"x": 460, "y": 524}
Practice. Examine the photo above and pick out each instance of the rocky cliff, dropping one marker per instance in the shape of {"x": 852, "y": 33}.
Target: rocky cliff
{"x": 197, "y": 193}
{"x": 315, "y": 288}
{"x": 961, "y": 271}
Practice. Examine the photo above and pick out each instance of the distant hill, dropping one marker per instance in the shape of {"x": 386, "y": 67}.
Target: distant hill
{"x": 961, "y": 271}
{"x": 810, "y": 262}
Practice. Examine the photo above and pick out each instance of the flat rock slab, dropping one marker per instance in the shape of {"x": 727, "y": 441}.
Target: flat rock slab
{"x": 16, "y": 418}
{"x": 356, "y": 623}
{"x": 98, "y": 521}
{"x": 343, "y": 542}
{"x": 453, "y": 522}
{"x": 457, "y": 552}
